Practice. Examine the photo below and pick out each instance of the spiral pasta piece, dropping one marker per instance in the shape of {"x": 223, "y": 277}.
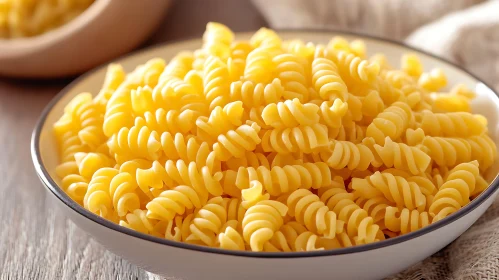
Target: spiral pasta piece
{"x": 217, "y": 40}
{"x": 189, "y": 150}
{"x": 256, "y": 94}
{"x": 173, "y": 93}
{"x": 445, "y": 102}
{"x": 75, "y": 186}
{"x": 358, "y": 224}
{"x": 309, "y": 210}
{"x": 411, "y": 64}
{"x": 290, "y": 113}
{"x": 89, "y": 163}
{"x": 448, "y": 151}
{"x": 138, "y": 220}
{"x": 261, "y": 221}
{"x": 70, "y": 144}
{"x": 208, "y": 222}
{"x": 171, "y": 121}
{"x": 345, "y": 154}
{"x": 405, "y": 220}
{"x": 455, "y": 191}
{"x": 352, "y": 67}
{"x": 174, "y": 173}
{"x": 118, "y": 111}
{"x": 392, "y": 122}
{"x": 122, "y": 191}
{"x": 291, "y": 70}
{"x": 433, "y": 80}
{"x": 289, "y": 140}
{"x": 327, "y": 80}
{"x": 136, "y": 142}
{"x": 216, "y": 82}
{"x": 484, "y": 150}
{"x": 97, "y": 198}
{"x": 395, "y": 189}
{"x": 235, "y": 143}
{"x": 402, "y": 156}
{"x": 173, "y": 202}
{"x": 220, "y": 121}
{"x": 375, "y": 207}
{"x": 455, "y": 124}
{"x": 230, "y": 239}
{"x": 147, "y": 74}
{"x": 279, "y": 180}
{"x": 87, "y": 116}
{"x": 259, "y": 66}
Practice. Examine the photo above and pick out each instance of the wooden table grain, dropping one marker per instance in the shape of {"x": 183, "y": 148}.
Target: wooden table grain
{"x": 36, "y": 241}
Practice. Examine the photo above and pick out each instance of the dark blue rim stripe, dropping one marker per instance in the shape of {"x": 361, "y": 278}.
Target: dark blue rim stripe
{"x": 61, "y": 195}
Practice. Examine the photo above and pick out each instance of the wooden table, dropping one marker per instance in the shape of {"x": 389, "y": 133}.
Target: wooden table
{"x": 37, "y": 242}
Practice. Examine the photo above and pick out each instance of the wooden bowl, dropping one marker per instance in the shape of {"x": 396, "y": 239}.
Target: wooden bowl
{"x": 104, "y": 31}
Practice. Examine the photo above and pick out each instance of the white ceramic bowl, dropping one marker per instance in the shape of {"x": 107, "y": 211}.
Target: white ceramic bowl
{"x": 169, "y": 258}
{"x": 104, "y": 31}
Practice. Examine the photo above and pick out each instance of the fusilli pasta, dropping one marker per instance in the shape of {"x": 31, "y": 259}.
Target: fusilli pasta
{"x": 275, "y": 146}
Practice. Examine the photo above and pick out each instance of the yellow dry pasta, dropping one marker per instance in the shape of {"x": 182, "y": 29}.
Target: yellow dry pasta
{"x": 32, "y": 18}
{"x": 274, "y": 146}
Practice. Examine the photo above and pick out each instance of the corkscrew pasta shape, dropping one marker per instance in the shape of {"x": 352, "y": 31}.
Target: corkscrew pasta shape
{"x": 390, "y": 123}
{"x": 309, "y": 210}
{"x": 261, "y": 221}
{"x": 327, "y": 80}
{"x": 395, "y": 189}
{"x": 290, "y": 113}
{"x": 288, "y": 140}
{"x": 287, "y": 178}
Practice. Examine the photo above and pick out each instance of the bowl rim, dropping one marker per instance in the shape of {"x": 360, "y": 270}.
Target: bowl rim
{"x": 52, "y": 186}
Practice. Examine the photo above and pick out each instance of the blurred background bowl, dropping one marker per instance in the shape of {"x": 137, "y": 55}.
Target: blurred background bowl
{"x": 107, "y": 29}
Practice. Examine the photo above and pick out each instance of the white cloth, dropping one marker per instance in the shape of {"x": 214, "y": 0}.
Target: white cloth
{"x": 469, "y": 37}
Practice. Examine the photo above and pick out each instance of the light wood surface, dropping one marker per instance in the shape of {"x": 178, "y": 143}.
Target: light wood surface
{"x": 37, "y": 242}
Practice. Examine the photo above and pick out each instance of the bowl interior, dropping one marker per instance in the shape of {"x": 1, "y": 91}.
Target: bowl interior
{"x": 487, "y": 102}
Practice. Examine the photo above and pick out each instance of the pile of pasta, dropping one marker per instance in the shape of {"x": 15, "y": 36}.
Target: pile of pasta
{"x": 272, "y": 145}
{"x": 26, "y": 18}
